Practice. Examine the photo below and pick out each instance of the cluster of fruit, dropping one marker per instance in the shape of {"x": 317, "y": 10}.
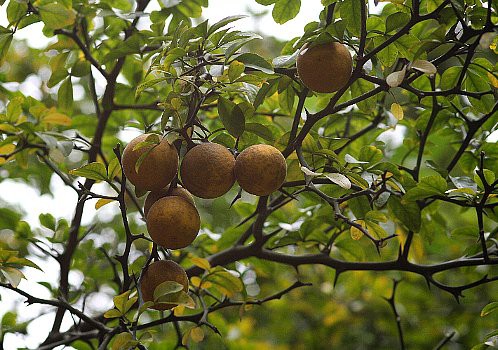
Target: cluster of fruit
{"x": 208, "y": 170}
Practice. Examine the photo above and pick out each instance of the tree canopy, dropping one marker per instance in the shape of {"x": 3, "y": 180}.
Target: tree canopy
{"x": 382, "y": 235}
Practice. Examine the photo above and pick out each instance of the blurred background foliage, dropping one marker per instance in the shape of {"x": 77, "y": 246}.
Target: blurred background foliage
{"x": 350, "y": 315}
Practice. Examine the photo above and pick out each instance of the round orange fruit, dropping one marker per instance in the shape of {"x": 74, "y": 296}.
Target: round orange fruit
{"x": 158, "y": 168}
{"x": 324, "y": 67}
{"x": 154, "y": 196}
{"x": 260, "y": 169}
{"x": 159, "y": 272}
{"x": 173, "y": 222}
{"x": 207, "y": 170}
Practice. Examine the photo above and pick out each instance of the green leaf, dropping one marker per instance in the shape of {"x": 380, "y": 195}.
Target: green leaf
{"x": 266, "y": 2}
{"x": 238, "y": 43}
{"x": 231, "y": 116}
{"x": 178, "y": 298}
{"x": 147, "y": 84}
{"x": 377, "y": 216}
{"x": 81, "y": 68}
{"x": 408, "y": 46}
{"x": 428, "y": 186}
{"x": 124, "y": 5}
{"x": 14, "y": 109}
{"x": 224, "y": 22}
{"x": 165, "y": 288}
{"x": 172, "y": 56}
{"x": 129, "y": 303}
{"x": 47, "y": 220}
{"x": 56, "y": 16}
{"x": 351, "y": 14}
{"x": 120, "y": 300}
{"x": 406, "y": 212}
{"x": 477, "y": 83}
{"x": 127, "y": 47}
{"x": 225, "y": 281}
{"x": 387, "y": 55}
{"x": 396, "y": 20}
{"x": 113, "y": 169}
{"x": 359, "y": 206}
{"x": 491, "y": 307}
{"x": 124, "y": 341}
{"x": 375, "y": 229}
{"x": 434, "y": 182}
{"x": 255, "y": 61}
{"x": 113, "y": 313}
{"x": 489, "y": 176}
{"x": 144, "y": 307}
{"x": 6, "y": 36}
{"x": 285, "y": 10}
{"x": 94, "y": 171}
{"x": 260, "y": 130}
{"x": 450, "y": 78}
{"x": 65, "y": 96}
{"x": 358, "y": 88}
{"x": 235, "y": 69}
{"x": 370, "y": 154}
{"x": 57, "y": 66}
{"x": 16, "y": 262}
{"x": 16, "y": 10}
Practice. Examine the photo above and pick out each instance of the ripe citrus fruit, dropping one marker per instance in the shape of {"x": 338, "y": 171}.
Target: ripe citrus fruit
{"x": 207, "y": 170}
{"x": 260, "y": 169}
{"x": 157, "y": 273}
{"x": 173, "y": 222}
{"x": 324, "y": 67}
{"x": 154, "y": 196}
{"x": 158, "y": 168}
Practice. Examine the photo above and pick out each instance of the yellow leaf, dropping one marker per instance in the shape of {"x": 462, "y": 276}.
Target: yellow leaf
{"x": 102, "y": 201}
{"x": 397, "y": 111}
{"x": 195, "y": 281}
{"x": 57, "y": 118}
{"x": 197, "y": 334}
{"x": 121, "y": 341}
{"x": 22, "y": 119}
{"x": 201, "y": 262}
{"x": 179, "y": 310}
{"x": 356, "y": 233}
{"x": 206, "y": 284}
{"x": 493, "y": 80}
{"x": 4, "y": 150}
{"x": 186, "y": 337}
{"x": 7, "y": 127}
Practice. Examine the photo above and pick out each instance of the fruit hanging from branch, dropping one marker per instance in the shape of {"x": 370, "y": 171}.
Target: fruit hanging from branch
{"x": 260, "y": 169}
{"x": 173, "y": 222}
{"x": 207, "y": 170}
{"x": 324, "y": 67}
{"x": 154, "y": 196}
{"x": 159, "y": 272}
{"x": 157, "y": 162}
